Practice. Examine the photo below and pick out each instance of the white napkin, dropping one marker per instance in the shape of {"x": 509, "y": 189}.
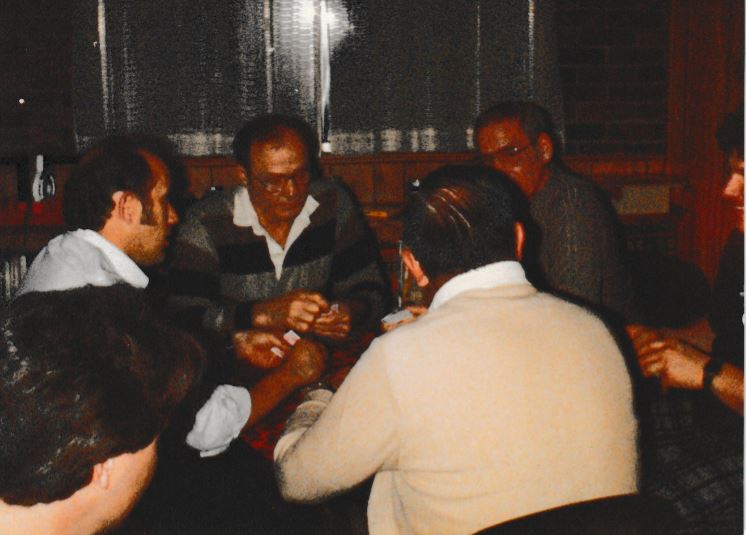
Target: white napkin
{"x": 220, "y": 420}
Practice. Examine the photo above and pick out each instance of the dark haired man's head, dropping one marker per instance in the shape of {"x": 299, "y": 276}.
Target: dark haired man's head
{"x": 462, "y": 218}
{"x": 279, "y": 155}
{"x": 730, "y": 139}
{"x": 86, "y": 376}
{"x": 122, "y": 187}
{"x": 517, "y": 138}
{"x": 272, "y": 129}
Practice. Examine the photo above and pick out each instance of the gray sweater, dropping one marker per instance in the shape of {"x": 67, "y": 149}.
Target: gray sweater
{"x": 580, "y": 253}
{"x": 220, "y": 270}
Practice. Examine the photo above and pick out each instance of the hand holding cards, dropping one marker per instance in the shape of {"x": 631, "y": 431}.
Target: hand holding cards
{"x": 335, "y": 323}
{"x": 401, "y": 317}
{"x": 291, "y": 337}
{"x": 260, "y": 348}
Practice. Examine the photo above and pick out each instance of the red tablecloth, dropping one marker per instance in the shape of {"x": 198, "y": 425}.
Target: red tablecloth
{"x": 264, "y": 435}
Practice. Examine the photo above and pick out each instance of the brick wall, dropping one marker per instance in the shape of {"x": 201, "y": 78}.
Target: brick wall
{"x": 612, "y": 57}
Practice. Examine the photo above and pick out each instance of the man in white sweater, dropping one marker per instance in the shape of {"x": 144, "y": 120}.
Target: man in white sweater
{"x": 499, "y": 402}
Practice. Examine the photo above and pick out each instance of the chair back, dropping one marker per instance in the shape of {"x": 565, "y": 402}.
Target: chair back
{"x": 629, "y": 514}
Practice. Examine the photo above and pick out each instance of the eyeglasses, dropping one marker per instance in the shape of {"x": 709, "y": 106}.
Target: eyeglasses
{"x": 508, "y": 153}
{"x": 275, "y": 186}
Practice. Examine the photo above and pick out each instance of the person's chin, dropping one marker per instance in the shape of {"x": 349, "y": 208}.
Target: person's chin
{"x": 287, "y": 211}
{"x": 151, "y": 259}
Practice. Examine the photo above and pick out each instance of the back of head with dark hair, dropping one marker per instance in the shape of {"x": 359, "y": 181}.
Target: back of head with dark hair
{"x": 533, "y": 118}
{"x": 272, "y": 127}
{"x": 730, "y": 133}
{"x": 85, "y": 375}
{"x": 462, "y": 217}
{"x": 116, "y": 163}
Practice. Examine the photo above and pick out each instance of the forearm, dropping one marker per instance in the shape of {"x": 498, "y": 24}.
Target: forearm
{"x": 269, "y": 392}
{"x": 727, "y": 386}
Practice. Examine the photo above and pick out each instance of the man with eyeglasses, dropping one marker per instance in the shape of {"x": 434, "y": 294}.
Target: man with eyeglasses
{"x": 285, "y": 251}
{"x": 576, "y": 248}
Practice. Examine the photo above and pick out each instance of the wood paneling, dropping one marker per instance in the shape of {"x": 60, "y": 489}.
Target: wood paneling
{"x": 380, "y": 183}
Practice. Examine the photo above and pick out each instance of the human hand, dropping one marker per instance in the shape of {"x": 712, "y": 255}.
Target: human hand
{"x": 296, "y": 310}
{"x": 335, "y": 323}
{"x": 642, "y": 336}
{"x": 676, "y": 364}
{"x": 255, "y": 347}
{"x": 305, "y": 362}
{"x": 415, "y": 311}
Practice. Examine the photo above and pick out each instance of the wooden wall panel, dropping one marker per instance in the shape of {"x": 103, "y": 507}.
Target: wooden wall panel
{"x": 381, "y": 181}
{"x": 360, "y": 178}
{"x": 390, "y": 184}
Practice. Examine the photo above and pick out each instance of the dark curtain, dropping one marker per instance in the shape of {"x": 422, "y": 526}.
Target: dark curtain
{"x": 401, "y": 75}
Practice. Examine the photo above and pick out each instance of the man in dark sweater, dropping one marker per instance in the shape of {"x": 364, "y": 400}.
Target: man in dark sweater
{"x": 696, "y": 452}
{"x": 577, "y": 251}
{"x": 286, "y": 250}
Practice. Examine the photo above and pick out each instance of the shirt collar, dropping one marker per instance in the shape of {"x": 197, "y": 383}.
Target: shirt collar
{"x": 244, "y": 214}
{"x": 124, "y": 266}
{"x": 506, "y": 273}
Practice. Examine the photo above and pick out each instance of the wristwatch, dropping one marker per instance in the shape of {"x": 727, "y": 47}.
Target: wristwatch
{"x": 712, "y": 368}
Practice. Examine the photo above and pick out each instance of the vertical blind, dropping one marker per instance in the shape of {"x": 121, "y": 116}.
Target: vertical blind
{"x": 369, "y": 75}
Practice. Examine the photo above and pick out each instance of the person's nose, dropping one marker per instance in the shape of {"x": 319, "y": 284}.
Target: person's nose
{"x": 289, "y": 188}
{"x": 173, "y": 217}
{"x": 498, "y": 164}
{"x": 734, "y": 187}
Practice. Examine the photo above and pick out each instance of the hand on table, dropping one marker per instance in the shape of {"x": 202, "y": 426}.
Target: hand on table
{"x": 255, "y": 347}
{"x": 676, "y": 364}
{"x": 335, "y": 323}
{"x": 296, "y": 310}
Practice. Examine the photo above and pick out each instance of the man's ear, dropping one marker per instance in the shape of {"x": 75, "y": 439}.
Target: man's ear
{"x": 102, "y": 474}
{"x": 414, "y": 268}
{"x": 520, "y": 239}
{"x": 545, "y": 147}
{"x": 127, "y": 207}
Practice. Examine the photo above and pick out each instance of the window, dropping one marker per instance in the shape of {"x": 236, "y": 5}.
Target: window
{"x": 370, "y": 75}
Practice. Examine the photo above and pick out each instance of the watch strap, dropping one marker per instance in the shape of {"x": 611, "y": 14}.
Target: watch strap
{"x": 712, "y": 368}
